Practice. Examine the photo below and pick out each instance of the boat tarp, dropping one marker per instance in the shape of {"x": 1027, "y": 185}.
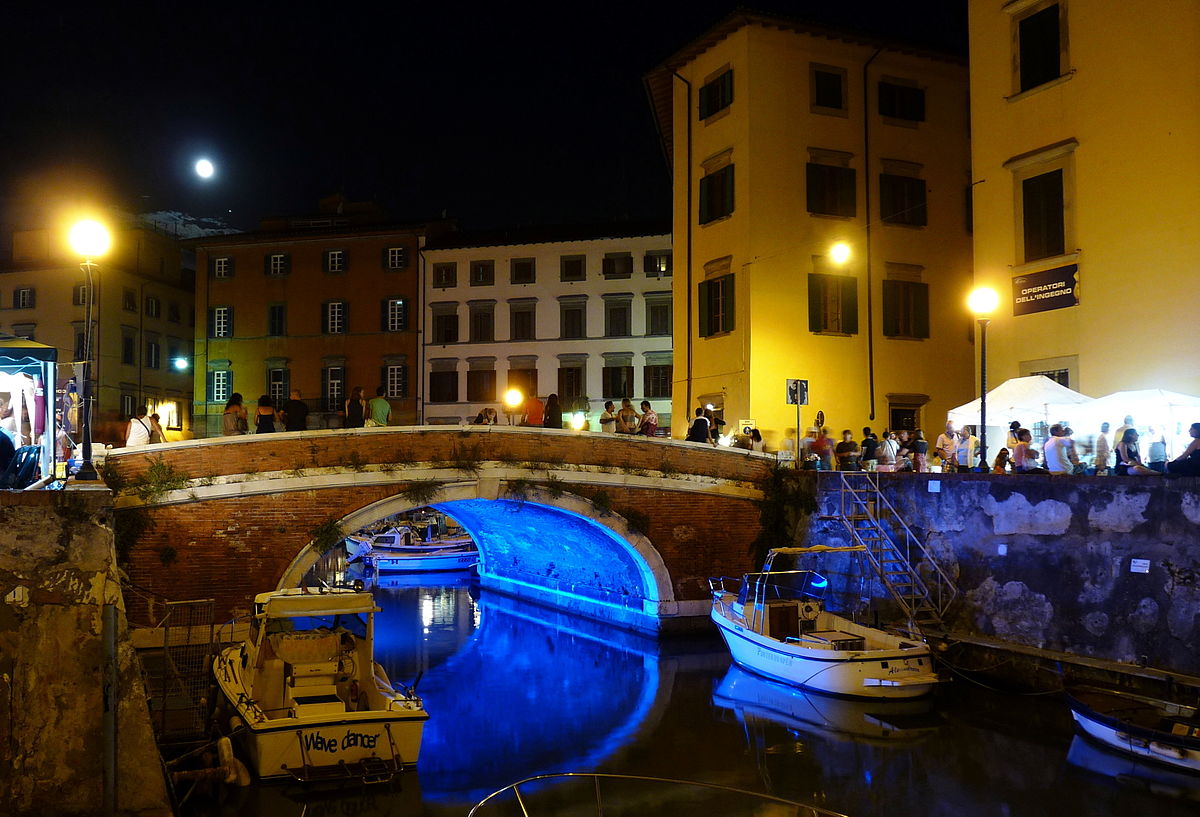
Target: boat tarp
{"x": 316, "y": 604}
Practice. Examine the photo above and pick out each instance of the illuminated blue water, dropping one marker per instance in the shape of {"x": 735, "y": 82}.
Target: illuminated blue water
{"x": 516, "y": 690}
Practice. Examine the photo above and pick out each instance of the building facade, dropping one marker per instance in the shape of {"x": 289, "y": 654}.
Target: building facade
{"x": 142, "y": 320}
{"x": 1086, "y": 155}
{"x": 787, "y": 140}
{"x": 584, "y": 313}
{"x": 321, "y": 304}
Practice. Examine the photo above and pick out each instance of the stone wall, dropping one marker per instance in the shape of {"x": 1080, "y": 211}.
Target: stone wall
{"x": 1055, "y": 563}
{"x": 57, "y": 572}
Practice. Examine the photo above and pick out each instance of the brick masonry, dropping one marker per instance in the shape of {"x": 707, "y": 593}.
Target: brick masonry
{"x": 700, "y": 510}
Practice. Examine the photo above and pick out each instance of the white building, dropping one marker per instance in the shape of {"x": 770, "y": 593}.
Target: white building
{"x": 583, "y": 312}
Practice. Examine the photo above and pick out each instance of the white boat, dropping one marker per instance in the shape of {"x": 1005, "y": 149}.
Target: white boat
{"x": 306, "y": 698}
{"x": 400, "y": 551}
{"x": 1139, "y": 725}
{"x": 356, "y": 547}
{"x": 775, "y": 625}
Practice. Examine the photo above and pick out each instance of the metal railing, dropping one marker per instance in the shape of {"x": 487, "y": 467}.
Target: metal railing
{"x": 669, "y": 796}
{"x": 912, "y": 575}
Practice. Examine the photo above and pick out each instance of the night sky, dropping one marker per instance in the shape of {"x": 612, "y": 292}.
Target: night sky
{"x": 498, "y": 114}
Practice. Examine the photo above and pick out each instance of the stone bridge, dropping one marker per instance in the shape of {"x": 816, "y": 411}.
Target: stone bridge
{"x": 623, "y": 529}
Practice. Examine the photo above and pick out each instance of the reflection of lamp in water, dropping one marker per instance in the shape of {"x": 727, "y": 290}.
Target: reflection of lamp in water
{"x": 513, "y": 400}
{"x": 89, "y": 239}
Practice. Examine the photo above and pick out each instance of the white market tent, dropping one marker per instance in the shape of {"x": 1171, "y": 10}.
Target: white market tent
{"x": 1026, "y": 399}
{"x": 1170, "y": 412}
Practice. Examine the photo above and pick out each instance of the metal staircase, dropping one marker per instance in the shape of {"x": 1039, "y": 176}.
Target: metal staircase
{"x": 907, "y": 569}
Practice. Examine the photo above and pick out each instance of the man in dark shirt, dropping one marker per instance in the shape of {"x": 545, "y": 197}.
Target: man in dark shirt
{"x": 295, "y": 413}
{"x": 870, "y": 448}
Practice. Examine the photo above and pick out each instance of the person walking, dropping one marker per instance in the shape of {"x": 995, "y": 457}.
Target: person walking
{"x": 1103, "y": 451}
{"x": 379, "y": 410}
{"x": 295, "y": 413}
{"x": 233, "y": 421}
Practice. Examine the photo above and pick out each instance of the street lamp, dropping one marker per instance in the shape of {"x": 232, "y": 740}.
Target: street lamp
{"x": 91, "y": 240}
{"x": 983, "y": 302}
{"x": 839, "y": 253}
{"x": 513, "y": 400}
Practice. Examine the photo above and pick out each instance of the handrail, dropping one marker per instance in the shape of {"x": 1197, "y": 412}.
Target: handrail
{"x": 868, "y": 503}
{"x": 514, "y": 788}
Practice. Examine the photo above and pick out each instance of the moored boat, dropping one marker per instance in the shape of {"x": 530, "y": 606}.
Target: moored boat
{"x": 775, "y": 624}
{"x": 307, "y": 699}
{"x": 1139, "y": 725}
{"x": 398, "y": 550}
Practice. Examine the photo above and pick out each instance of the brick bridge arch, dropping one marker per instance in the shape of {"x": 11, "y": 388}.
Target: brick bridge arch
{"x": 613, "y": 527}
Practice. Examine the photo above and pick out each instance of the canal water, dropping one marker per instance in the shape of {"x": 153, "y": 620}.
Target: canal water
{"x": 516, "y": 690}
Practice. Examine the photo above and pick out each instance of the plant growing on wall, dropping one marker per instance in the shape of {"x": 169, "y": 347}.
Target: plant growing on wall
{"x": 420, "y": 492}
{"x": 327, "y": 535}
{"x": 159, "y": 480}
{"x": 789, "y": 499}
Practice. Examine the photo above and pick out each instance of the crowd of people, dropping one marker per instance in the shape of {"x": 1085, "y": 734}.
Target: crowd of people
{"x": 957, "y": 449}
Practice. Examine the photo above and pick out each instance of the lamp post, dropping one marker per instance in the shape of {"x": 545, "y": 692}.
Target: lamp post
{"x": 91, "y": 240}
{"x": 983, "y": 302}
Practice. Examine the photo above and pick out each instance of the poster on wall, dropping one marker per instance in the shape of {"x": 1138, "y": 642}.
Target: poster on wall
{"x": 1049, "y": 289}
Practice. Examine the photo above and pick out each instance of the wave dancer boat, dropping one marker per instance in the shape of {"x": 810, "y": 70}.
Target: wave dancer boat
{"x": 307, "y": 699}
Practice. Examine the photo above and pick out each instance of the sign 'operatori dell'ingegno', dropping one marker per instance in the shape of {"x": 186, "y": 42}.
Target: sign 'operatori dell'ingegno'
{"x": 1046, "y": 290}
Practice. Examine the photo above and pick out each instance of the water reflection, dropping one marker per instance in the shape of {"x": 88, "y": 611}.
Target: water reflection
{"x": 513, "y": 689}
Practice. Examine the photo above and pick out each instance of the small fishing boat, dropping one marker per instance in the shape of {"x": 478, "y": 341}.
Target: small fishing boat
{"x": 306, "y": 698}
{"x": 1132, "y": 773}
{"x": 775, "y": 624}
{"x": 357, "y": 546}
{"x": 1139, "y": 725}
{"x": 398, "y": 550}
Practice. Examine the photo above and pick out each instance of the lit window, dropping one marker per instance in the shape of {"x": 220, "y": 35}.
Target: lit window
{"x": 396, "y": 381}
{"x": 220, "y": 386}
{"x": 220, "y": 322}
{"x": 334, "y": 318}
{"x": 153, "y": 307}
{"x": 395, "y": 315}
{"x": 333, "y": 387}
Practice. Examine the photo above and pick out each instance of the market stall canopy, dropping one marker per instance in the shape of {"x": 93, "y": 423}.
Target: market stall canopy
{"x": 1025, "y": 399}
{"x": 28, "y": 370}
{"x": 1169, "y": 411}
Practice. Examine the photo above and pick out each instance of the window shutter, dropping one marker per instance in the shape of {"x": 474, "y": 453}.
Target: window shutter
{"x": 324, "y": 319}
{"x": 845, "y": 192}
{"x": 891, "y": 308}
{"x": 383, "y": 260}
{"x": 212, "y": 266}
{"x": 816, "y": 291}
{"x": 849, "y": 294}
{"x": 231, "y": 333}
{"x": 705, "y": 184}
{"x": 727, "y": 189}
{"x": 730, "y": 305}
{"x": 211, "y": 323}
{"x": 287, "y": 263}
{"x": 231, "y": 262}
{"x": 920, "y": 294}
{"x": 208, "y": 387}
{"x": 325, "y": 387}
{"x": 383, "y": 316}
{"x": 345, "y": 317}
{"x": 704, "y": 308}
{"x": 32, "y": 297}
{"x": 267, "y": 264}
{"x": 346, "y": 260}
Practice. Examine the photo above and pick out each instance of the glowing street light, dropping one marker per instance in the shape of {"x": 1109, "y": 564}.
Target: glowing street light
{"x": 89, "y": 239}
{"x": 513, "y": 400}
{"x": 839, "y": 253}
{"x": 578, "y": 421}
{"x": 983, "y": 302}
{"x": 180, "y": 363}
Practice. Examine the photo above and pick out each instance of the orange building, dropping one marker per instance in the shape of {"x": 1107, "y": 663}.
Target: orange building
{"x": 321, "y": 304}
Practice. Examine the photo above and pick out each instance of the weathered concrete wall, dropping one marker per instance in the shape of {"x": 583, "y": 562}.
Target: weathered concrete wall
{"x": 57, "y": 571}
{"x": 1046, "y": 561}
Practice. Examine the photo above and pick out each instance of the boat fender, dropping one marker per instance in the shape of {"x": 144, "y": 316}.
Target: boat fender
{"x": 236, "y": 724}
{"x": 225, "y": 758}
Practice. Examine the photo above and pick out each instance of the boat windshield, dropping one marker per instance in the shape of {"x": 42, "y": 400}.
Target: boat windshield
{"x": 353, "y": 623}
{"x": 783, "y": 584}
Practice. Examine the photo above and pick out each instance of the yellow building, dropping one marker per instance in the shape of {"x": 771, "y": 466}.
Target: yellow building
{"x": 142, "y": 321}
{"x": 1086, "y": 156}
{"x": 785, "y": 140}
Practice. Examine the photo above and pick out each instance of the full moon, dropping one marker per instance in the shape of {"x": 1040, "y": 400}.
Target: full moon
{"x": 204, "y": 168}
